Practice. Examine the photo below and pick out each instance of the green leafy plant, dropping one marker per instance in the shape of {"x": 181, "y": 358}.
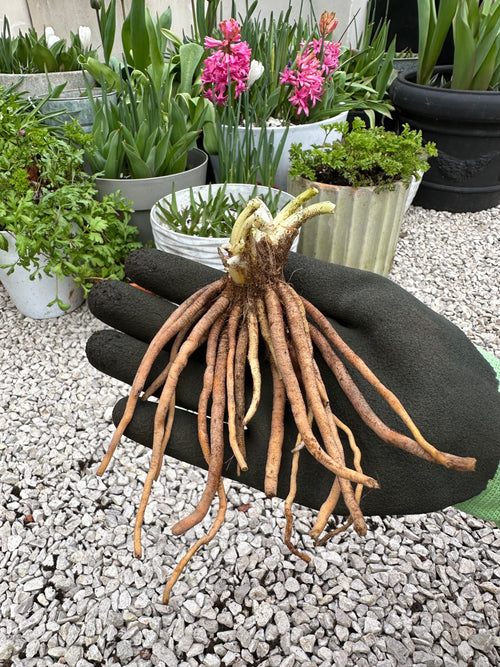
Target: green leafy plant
{"x": 48, "y": 202}
{"x": 243, "y": 157}
{"x": 159, "y": 113}
{"x": 366, "y": 72}
{"x": 210, "y": 216}
{"x": 30, "y": 53}
{"x": 143, "y": 41}
{"x": 359, "y": 82}
{"x": 363, "y": 156}
{"x": 476, "y": 27}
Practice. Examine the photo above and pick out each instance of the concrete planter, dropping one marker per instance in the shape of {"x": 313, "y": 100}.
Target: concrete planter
{"x": 144, "y": 192}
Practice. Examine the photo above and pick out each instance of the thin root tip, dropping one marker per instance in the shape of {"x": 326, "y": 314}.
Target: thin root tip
{"x": 460, "y": 463}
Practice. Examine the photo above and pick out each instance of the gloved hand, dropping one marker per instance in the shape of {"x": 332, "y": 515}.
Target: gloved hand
{"x": 445, "y": 384}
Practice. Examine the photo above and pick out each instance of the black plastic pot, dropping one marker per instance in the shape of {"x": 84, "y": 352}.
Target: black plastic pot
{"x": 465, "y": 125}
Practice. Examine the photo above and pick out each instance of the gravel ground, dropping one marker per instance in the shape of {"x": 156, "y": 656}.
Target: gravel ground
{"x": 420, "y": 590}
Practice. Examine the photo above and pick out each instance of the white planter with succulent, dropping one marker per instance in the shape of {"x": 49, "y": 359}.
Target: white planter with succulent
{"x": 196, "y": 222}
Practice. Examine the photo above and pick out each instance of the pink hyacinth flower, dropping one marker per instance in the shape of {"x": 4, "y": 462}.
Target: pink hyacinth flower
{"x": 230, "y": 63}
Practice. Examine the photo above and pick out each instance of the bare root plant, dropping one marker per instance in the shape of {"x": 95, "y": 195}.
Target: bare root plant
{"x": 249, "y": 304}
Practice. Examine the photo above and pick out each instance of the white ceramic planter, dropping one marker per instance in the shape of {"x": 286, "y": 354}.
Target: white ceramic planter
{"x": 200, "y": 249}
{"x": 307, "y": 134}
{"x": 144, "y": 192}
{"x": 31, "y": 297}
{"x": 362, "y": 232}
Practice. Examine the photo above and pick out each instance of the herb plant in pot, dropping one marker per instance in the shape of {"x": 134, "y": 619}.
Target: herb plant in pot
{"x": 286, "y": 83}
{"x": 55, "y": 236}
{"x": 367, "y": 175}
{"x": 456, "y": 106}
{"x": 145, "y": 140}
{"x": 196, "y": 222}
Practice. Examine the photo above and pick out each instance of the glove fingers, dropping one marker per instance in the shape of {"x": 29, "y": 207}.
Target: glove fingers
{"x": 170, "y": 276}
{"x": 406, "y": 488}
{"x": 129, "y": 309}
{"x": 314, "y": 481}
{"x": 119, "y": 356}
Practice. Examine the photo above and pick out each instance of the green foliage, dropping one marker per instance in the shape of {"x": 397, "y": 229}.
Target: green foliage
{"x": 159, "y": 112}
{"x": 204, "y": 18}
{"x": 29, "y": 53}
{"x": 249, "y": 157}
{"x": 48, "y": 202}
{"x": 363, "y": 157}
{"x": 360, "y": 82}
{"x": 366, "y": 72}
{"x": 106, "y": 20}
{"x": 476, "y": 30}
{"x": 213, "y": 215}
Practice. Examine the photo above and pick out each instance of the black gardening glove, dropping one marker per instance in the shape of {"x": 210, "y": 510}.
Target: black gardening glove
{"x": 445, "y": 384}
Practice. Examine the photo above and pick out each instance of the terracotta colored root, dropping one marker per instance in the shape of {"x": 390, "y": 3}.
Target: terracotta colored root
{"x": 239, "y": 387}
{"x": 275, "y": 446}
{"x": 232, "y": 416}
{"x": 216, "y": 439}
{"x": 289, "y": 502}
{"x": 191, "y": 343}
{"x": 252, "y": 303}
{"x": 295, "y": 398}
{"x": 253, "y": 362}
{"x": 317, "y": 398}
{"x": 186, "y": 313}
{"x": 360, "y": 404}
{"x": 221, "y": 514}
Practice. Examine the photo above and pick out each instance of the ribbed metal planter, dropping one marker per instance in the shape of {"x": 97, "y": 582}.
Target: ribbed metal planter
{"x": 362, "y": 232}
{"x": 39, "y": 85}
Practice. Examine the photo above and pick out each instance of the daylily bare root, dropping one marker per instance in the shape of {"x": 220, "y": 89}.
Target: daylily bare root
{"x": 251, "y": 305}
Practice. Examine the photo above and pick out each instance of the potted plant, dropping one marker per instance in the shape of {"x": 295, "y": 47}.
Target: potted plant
{"x": 197, "y": 221}
{"x": 456, "y": 106}
{"x": 54, "y": 233}
{"x": 145, "y": 140}
{"x": 367, "y": 175}
{"x": 285, "y": 83}
{"x": 46, "y": 66}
